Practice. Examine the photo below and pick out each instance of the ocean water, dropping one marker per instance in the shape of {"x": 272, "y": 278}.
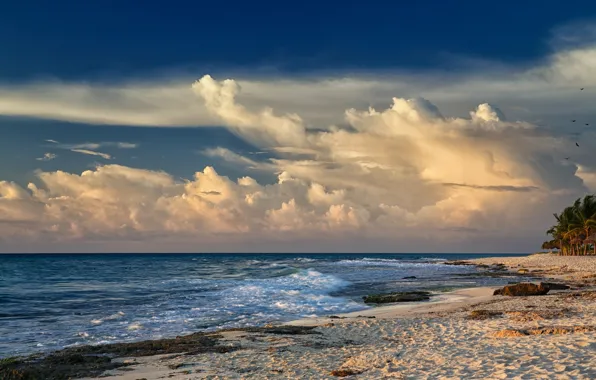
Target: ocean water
{"x": 48, "y": 302}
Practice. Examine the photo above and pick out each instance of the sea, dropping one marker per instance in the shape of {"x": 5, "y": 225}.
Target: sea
{"x": 49, "y": 302}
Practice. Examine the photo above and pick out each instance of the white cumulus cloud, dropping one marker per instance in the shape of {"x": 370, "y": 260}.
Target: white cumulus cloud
{"x": 405, "y": 178}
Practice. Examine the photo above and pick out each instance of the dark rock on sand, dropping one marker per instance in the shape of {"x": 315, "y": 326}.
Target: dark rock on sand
{"x": 555, "y": 286}
{"x": 479, "y": 315}
{"x": 457, "y": 262}
{"x": 521, "y": 290}
{"x": 409, "y": 278}
{"x": 92, "y": 361}
{"x": 278, "y": 330}
{"x": 397, "y": 297}
{"x": 56, "y": 367}
{"x": 344, "y": 372}
{"x": 499, "y": 266}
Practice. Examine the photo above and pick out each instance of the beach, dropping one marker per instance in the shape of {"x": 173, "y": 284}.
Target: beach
{"x": 467, "y": 333}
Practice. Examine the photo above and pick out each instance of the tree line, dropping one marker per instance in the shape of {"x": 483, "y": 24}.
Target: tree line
{"x": 575, "y": 231}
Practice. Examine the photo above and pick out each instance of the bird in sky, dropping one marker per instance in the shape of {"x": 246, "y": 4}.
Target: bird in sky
{"x": 587, "y": 123}
{"x": 581, "y": 89}
{"x": 576, "y": 144}
{"x": 573, "y": 121}
{"x": 567, "y": 158}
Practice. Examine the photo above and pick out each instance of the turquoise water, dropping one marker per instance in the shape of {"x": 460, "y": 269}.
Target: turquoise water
{"x": 49, "y": 302}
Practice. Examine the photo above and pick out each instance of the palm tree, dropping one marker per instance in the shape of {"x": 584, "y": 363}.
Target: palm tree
{"x": 575, "y": 231}
{"x": 585, "y": 218}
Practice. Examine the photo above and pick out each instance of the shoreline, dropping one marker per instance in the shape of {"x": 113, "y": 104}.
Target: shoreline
{"x": 391, "y": 341}
{"x": 442, "y": 302}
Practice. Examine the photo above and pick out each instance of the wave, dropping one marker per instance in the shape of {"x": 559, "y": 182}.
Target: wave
{"x": 303, "y": 293}
{"x": 304, "y": 260}
{"x": 369, "y": 262}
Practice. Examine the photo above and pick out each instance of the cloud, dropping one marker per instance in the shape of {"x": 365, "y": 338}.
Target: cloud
{"x": 409, "y": 177}
{"x": 124, "y": 145}
{"x": 90, "y": 148}
{"x": 229, "y": 156}
{"x": 547, "y": 90}
{"x": 522, "y": 189}
{"x": 47, "y": 157}
{"x": 98, "y": 145}
{"x": 471, "y": 161}
{"x": 92, "y": 153}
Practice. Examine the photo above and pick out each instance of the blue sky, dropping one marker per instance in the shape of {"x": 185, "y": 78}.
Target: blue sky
{"x": 82, "y": 40}
{"x": 111, "y": 84}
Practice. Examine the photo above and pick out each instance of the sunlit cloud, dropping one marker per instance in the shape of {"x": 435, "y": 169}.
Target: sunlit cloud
{"x": 407, "y": 161}
{"x": 47, "y": 157}
{"x": 399, "y": 174}
{"x": 92, "y": 153}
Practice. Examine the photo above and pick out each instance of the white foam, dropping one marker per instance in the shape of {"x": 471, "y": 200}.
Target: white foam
{"x": 135, "y": 326}
{"x": 383, "y": 262}
{"x": 303, "y": 293}
{"x": 304, "y": 259}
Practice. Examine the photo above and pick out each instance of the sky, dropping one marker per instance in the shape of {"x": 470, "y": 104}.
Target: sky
{"x": 241, "y": 127}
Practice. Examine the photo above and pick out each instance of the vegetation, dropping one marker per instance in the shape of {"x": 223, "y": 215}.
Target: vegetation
{"x": 575, "y": 231}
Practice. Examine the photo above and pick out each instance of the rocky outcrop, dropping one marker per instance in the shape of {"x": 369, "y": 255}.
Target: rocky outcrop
{"x": 397, "y": 297}
{"x": 458, "y": 262}
{"x": 554, "y": 286}
{"x": 344, "y": 372}
{"x": 522, "y": 290}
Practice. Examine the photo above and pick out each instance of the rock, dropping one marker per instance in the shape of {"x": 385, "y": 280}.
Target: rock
{"x": 523, "y": 271}
{"x": 457, "y": 262}
{"x": 521, "y": 290}
{"x": 409, "y": 278}
{"x": 554, "y": 286}
{"x": 484, "y": 314}
{"x": 397, "y": 297}
{"x": 343, "y": 372}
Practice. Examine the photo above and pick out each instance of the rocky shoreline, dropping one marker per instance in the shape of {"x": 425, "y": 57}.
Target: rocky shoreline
{"x": 89, "y": 361}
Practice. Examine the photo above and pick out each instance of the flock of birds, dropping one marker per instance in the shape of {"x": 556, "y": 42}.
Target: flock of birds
{"x": 573, "y": 121}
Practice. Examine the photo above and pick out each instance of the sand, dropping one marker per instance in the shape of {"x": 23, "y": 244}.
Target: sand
{"x": 543, "y": 337}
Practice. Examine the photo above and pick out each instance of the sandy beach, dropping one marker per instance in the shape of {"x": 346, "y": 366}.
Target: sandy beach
{"x": 465, "y": 334}
{"x": 420, "y": 341}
